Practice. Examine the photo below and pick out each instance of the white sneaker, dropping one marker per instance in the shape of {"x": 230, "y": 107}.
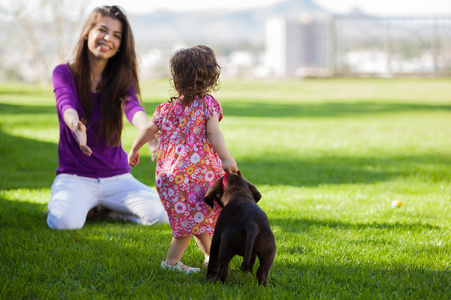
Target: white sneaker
{"x": 179, "y": 267}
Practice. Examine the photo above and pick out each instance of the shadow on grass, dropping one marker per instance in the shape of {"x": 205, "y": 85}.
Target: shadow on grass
{"x": 296, "y": 171}
{"x": 11, "y": 109}
{"x": 319, "y": 110}
{"x": 297, "y": 224}
{"x": 21, "y": 214}
{"x": 328, "y": 109}
{"x": 26, "y": 163}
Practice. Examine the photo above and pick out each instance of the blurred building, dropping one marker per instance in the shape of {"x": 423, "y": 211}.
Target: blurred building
{"x": 322, "y": 45}
{"x": 302, "y": 46}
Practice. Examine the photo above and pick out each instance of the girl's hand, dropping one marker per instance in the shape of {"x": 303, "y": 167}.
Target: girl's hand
{"x": 133, "y": 158}
{"x": 80, "y": 134}
{"x": 229, "y": 165}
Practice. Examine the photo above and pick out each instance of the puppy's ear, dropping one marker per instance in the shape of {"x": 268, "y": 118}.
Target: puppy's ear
{"x": 214, "y": 193}
{"x": 255, "y": 192}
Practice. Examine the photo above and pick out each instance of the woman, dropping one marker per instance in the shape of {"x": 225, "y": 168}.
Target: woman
{"x": 91, "y": 94}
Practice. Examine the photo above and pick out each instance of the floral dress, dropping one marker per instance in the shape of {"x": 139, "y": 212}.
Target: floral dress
{"x": 187, "y": 164}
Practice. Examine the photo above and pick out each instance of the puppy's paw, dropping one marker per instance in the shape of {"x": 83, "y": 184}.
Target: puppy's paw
{"x": 212, "y": 277}
{"x": 245, "y": 269}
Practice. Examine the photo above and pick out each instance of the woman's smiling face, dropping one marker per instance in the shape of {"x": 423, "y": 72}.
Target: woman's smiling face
{"x": 104, "y": 39}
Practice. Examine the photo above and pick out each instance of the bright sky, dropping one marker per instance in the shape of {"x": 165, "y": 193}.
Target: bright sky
{"x": 384, "y": 7}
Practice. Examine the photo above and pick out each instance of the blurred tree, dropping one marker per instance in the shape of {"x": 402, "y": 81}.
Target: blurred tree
{"x": 37, "y": 35}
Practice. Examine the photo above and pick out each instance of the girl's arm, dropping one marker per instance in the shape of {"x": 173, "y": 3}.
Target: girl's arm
{"x": 140, "y": 120}
{"x": 73, "y": 122}
{"x": 145, "y": 135}
{"x": 216, "y": 139}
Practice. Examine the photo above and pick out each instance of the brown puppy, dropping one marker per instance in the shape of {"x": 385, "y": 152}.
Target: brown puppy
{"x": 242, "y": 228}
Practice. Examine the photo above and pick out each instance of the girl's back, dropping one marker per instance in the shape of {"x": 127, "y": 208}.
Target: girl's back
{"x": 186, "y": 124}
{"x": 187, "y": 163}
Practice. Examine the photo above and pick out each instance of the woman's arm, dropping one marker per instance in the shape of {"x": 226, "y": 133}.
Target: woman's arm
{"x": 145, "y": 135}
{"x": 66, "y": 97}
{"x": 140, "y": 120}
{"x": 216, "y": 139}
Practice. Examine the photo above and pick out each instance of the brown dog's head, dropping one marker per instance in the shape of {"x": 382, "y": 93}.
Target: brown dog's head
{"x": 235, "y": 185}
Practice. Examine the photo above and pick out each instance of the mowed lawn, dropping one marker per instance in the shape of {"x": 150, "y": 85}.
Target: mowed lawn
{"x": 329, "y": 156}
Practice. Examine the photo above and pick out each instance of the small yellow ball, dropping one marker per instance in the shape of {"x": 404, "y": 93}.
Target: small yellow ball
{"x": 396, "y": 204}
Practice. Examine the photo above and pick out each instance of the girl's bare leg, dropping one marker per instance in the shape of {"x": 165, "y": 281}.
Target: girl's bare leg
{"x": 204, "y": 242}
{"x": 176, "y": 250}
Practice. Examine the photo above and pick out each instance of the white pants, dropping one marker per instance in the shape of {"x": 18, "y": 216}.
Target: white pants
{"x": 73, "y": 196}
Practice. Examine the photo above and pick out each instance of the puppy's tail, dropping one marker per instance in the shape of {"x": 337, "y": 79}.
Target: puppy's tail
{"x": 251, "y": 233}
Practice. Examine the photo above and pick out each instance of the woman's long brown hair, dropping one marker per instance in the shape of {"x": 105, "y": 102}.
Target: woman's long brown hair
{"x": 119, "y": 77}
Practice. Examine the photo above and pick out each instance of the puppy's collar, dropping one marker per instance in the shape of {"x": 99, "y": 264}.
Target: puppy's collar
{"x": 224, "y": 178}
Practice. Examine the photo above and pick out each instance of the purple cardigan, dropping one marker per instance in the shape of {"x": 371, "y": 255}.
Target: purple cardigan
{"x": 104, "y": 161}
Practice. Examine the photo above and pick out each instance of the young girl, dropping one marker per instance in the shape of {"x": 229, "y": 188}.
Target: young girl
{"x": 192, "y": 152}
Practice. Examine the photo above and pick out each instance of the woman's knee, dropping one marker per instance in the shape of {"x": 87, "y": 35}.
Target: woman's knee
{"x": 64, "y": 221}
{"x": 156, "y": 216}
{"x": 146, "y": 204}
{"x": 163, "y": 219}
{"x": 71, "y": 199}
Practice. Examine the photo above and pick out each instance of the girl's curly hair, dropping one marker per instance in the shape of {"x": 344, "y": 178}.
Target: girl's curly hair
{"x": 195, "y": 72}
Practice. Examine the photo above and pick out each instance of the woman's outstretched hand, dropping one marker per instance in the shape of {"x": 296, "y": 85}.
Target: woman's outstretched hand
{"x": 80, "y": 134}
{"x": 153, "y": 145}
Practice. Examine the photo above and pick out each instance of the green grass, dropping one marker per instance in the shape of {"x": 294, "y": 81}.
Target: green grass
{"x": 328, "y": 156}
